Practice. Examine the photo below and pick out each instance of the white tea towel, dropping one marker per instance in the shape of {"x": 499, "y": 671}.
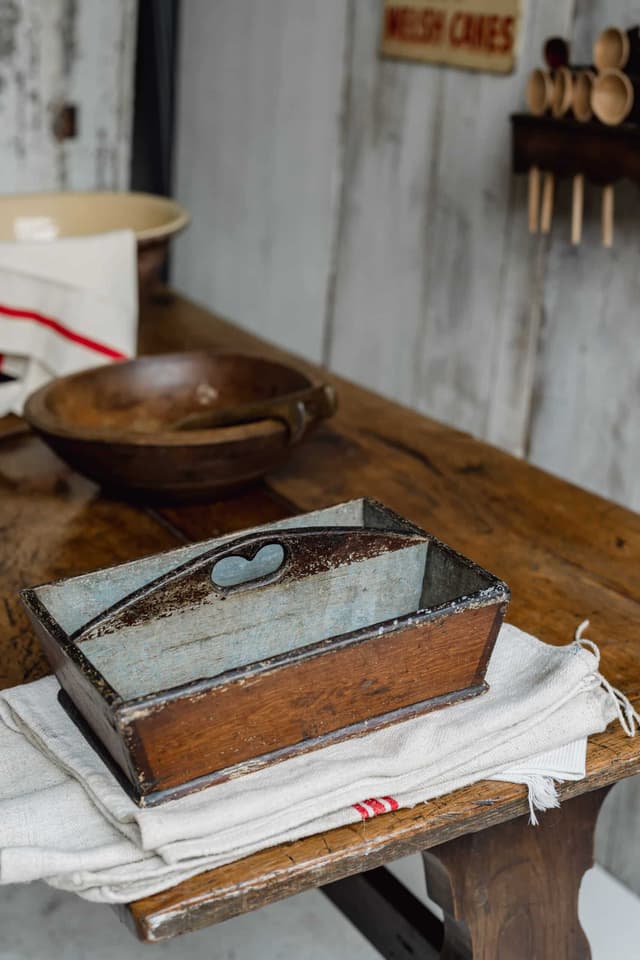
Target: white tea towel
{"x": 65, "y": 305}
{"x": 539, "y": 774}
{"x": 64, "y": 818}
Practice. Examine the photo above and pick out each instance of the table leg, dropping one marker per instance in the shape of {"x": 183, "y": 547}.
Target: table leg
{"x": 511, "y": 892}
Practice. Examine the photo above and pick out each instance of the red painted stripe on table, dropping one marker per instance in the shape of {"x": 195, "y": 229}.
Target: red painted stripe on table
{"x": 59, "y": 328}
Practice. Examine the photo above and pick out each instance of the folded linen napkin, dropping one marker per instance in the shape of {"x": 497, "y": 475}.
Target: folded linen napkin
{"x": 65, "y": 305}
{"x": 64, "y": 818}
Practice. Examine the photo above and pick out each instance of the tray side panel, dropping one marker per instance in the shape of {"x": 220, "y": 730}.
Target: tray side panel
{"x": 311, "y": 698}
{"x": 84, "y": 695}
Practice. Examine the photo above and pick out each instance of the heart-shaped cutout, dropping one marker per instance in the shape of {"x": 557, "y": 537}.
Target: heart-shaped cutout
{"x": 234, "y": 570}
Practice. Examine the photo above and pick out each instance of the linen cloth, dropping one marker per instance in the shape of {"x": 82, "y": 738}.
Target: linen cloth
{"x": 65, "y": 819}
{"x": 65, "y": 305}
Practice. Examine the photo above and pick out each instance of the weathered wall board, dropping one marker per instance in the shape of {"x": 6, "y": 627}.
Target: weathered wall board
{"x": 426, "y": 241}
{"x": 101, "y": 82}
{"x": 479, "y": 34}
{"x": 65, "y": 52}
{"x": 376, "y": 220}
{"x": 258, "y": 136}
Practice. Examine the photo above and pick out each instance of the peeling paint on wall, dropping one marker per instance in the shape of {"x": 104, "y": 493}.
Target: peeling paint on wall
{"x": 67, "y": 31}
{"x": 59, "y": 53}
{"x": 9, "y": 18}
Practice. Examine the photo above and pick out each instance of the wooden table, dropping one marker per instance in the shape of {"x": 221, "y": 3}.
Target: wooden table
{"x": 507, "y": 890}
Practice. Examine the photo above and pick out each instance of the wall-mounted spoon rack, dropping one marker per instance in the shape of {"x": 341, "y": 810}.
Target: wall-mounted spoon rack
{"x": 566, "y": 148}
{"x": 584, "y": 123}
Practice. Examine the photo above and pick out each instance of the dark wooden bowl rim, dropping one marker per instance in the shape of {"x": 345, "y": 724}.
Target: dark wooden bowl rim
{"x": 40, "y": 416}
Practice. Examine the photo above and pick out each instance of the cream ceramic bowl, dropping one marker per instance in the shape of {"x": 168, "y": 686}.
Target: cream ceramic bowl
{"x": 47, "y": 216}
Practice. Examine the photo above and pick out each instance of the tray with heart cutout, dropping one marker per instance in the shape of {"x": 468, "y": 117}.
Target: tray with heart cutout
{"x": 189, "y": 667}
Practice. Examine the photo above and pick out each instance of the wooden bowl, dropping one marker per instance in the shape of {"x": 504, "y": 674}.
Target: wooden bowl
{"x": 582, "y": 93}
{"x": 115, "y": 423}
{"x": 562, "y": 98}
{"x": 47, "y": 216}
{"x": 611, "y": 49}
{"x": 612, "y": 97}
{"x": 540, "y": 92}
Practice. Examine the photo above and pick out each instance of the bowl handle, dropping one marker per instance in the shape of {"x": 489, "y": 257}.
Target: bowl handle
{"x": 299, "y": 411}
{"x": 301, "y": 415}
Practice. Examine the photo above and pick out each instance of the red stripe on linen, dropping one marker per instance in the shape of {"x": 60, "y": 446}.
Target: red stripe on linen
{"x": 376, "y": 805}
{"x": 63, "y": 331}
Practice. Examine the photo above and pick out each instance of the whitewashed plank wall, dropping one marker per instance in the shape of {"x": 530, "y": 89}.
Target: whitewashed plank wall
{"x": 54, "y": 52}
{"x": 425, "y": 241}
{"x": 586, "y": 398}
{"x": 259, "y": 94}
{"x": 363, "y": 211}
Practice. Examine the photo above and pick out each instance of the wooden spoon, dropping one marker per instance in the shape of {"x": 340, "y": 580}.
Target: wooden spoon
{"x": 297, "y": 410}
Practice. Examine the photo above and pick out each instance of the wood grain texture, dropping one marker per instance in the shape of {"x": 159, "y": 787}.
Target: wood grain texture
{"x": 256, "y": 157}
{"x": 58, "y": 53}
{"x": 519, "y": 317}
{"x": 450, "y": 484}
{"x": 118, "y": 423}
{"x": 512, "y": 892}
{"x": 53, "y": 526}
{"x": 315, "y": 701}
{"x": 586, "y": 394}
{"x": 426, "y": 239}
{"x": 98, "y": 69}
{"x": 590, "y": 390}
{"x": 30, "y": 78}
{"x": 601, "y": 154}
{"x": 363, "y": 625}
{"x": 281, "y": 872}
{"x": 470, "y": 245}
{"x": 566, "y": 554}
{"x": 581, "y": 381}
{"x": 392, "y": 114}
{"x": 438, "y": 295}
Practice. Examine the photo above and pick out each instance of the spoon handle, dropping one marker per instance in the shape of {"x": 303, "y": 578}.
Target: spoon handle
{"x": 297, "y": 410}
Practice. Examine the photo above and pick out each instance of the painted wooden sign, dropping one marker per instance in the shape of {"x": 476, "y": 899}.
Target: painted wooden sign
{"x": 479, "y": 34}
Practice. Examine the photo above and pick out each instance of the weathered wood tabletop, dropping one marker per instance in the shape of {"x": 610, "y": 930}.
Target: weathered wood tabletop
{"x": 566, "y": 554}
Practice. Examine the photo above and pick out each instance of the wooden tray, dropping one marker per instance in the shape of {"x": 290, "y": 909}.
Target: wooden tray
{"x": 215, "y": 659}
